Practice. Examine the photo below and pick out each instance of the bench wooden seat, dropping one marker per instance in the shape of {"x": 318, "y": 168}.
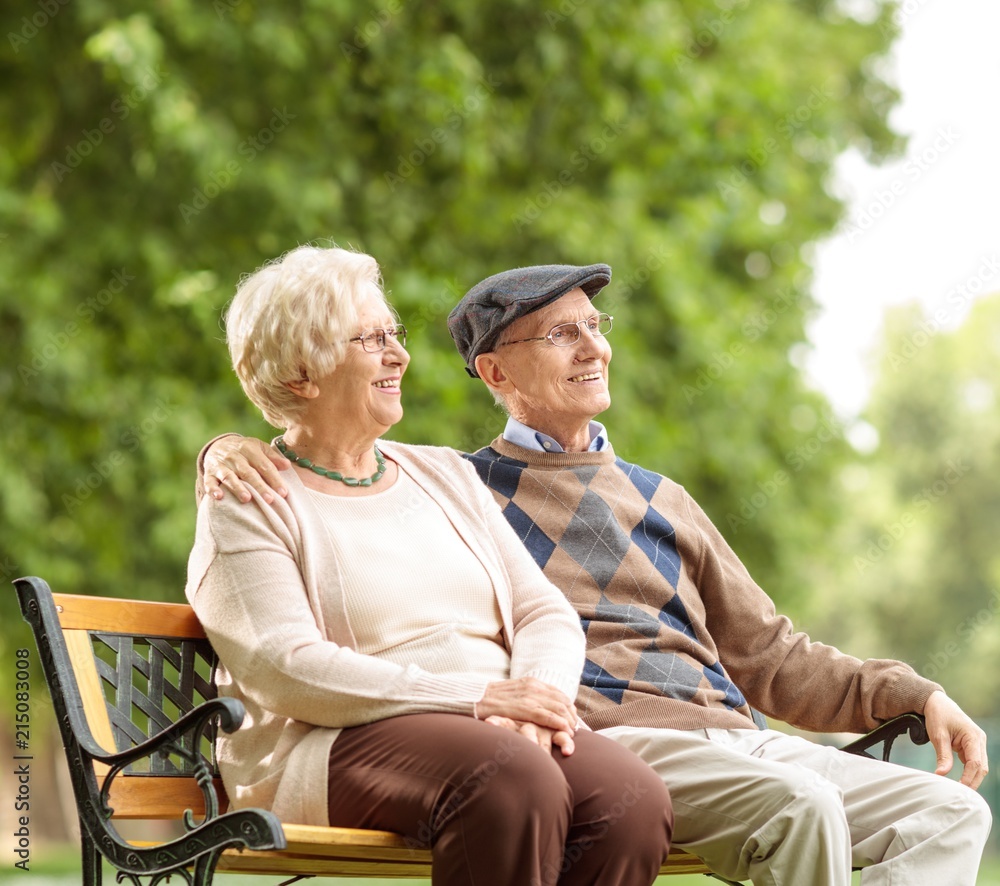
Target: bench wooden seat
{"x": 139, "y": 678}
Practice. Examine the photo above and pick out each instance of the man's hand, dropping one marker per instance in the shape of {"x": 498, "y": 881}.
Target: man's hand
{"x": 234, "y": 461}
{"x": 951, "y": 729}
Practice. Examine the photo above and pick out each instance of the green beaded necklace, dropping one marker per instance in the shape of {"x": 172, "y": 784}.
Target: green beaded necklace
{"x": 334, "y": 475}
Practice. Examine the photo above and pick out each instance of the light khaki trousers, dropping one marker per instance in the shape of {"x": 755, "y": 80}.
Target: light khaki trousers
{"x": 779, "y": 810}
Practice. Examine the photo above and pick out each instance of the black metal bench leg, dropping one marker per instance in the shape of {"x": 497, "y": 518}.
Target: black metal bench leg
{"x": 92, "y": 871}
{"x": 204, "y": 869}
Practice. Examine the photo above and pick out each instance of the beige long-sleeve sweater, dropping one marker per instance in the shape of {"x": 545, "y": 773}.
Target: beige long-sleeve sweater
{"x": 678, "y": 633}
{"x": 265, "y": 583}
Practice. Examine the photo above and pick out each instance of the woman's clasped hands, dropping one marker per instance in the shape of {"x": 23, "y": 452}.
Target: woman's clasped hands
{"x": 536, "y": 710}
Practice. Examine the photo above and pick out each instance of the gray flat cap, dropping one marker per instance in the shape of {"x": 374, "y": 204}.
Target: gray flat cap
{"x": 487, "y": 309}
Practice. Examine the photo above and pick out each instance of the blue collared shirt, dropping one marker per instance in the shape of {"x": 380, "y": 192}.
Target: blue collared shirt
{"x": 521, "y": 435}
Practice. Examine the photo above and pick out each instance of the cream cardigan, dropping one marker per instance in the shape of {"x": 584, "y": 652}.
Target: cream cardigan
{"x": 266, "y": 585}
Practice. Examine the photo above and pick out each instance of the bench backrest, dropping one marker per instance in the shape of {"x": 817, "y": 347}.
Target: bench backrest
{"x": 139, "y": 666}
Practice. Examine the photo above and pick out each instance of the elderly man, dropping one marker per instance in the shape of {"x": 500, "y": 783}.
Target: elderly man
{"x": 680, "y": 640}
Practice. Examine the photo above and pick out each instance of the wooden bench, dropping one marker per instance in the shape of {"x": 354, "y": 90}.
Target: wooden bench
{"x": 139, "y": 678}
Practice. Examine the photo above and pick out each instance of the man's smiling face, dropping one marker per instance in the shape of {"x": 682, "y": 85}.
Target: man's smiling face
{"x": 556, "y": 390}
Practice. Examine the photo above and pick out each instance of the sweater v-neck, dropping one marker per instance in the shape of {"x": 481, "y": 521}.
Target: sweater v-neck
{"x": 553, "y": 460}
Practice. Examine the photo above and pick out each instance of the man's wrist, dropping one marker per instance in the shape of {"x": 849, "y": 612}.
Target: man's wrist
{"x": 933, "y": 692}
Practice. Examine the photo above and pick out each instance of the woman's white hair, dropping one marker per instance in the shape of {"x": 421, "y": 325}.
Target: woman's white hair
{"x": 291, "y": 319}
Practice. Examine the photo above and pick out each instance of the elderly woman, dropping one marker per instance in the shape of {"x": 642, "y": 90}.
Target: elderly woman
{"x": 404, "y": 663}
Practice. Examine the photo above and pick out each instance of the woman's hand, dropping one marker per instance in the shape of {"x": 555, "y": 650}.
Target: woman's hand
{"x": 234, "y": 461}
{"x": 544, "y": 738}
{"x": 528, "y": 700}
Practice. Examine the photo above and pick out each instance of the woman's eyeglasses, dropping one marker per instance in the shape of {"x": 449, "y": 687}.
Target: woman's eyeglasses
{"x": 373, "y": 340}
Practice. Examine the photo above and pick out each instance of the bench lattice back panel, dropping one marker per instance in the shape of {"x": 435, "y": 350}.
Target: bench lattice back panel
{"x": 150, "y": 682}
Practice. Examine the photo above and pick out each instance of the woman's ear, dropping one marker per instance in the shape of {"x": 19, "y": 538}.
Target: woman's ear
{"x": 303, "y": 387}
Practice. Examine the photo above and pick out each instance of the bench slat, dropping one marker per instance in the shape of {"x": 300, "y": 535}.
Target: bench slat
{"x": 310, "y": 839}
{"x": 277, "y": 863}
{"x": 81, "y": 654}
{"x": 141, "y": 617}
{"x": 333, "y": 858}
{"x": 160, "y": 797}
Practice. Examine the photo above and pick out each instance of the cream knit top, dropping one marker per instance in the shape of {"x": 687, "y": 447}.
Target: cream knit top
{"x": 403, "y": 606}
{"x": 272, "y": 592}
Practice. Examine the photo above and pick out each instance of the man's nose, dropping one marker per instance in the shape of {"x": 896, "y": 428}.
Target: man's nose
{"x": 589, "y": 342}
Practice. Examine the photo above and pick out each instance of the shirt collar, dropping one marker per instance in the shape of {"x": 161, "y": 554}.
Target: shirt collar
{"x": 521, "y": 435}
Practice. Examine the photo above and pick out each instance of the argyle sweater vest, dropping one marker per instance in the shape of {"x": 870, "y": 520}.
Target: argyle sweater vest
{"x": 678, "y": 634}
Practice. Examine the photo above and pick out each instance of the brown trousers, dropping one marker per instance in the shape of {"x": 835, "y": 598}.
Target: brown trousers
{"x": 496, "y": 810}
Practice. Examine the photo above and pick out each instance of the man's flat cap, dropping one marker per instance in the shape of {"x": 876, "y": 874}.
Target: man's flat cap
{"x": 487, "y": 309}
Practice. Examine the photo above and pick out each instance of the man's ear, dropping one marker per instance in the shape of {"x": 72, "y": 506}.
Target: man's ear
{"x": 303, "y": 387}
{"x": 491, "y": 371}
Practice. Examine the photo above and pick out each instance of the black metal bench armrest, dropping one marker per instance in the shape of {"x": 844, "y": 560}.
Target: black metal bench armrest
{"x": 229, "y": 712}
{"x": 887, "y": 733}
{"x": 254, "y": 828}
{"x": 198, "y": 848}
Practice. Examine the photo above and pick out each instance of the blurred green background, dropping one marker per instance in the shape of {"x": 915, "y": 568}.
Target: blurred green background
{"x": 153, "y": 152}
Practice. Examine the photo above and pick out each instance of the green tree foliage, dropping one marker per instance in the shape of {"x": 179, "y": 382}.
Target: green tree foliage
{"x": 920, "y": 565}
{"x": 154, "y": 152}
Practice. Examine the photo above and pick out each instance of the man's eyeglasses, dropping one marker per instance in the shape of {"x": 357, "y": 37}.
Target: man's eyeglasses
{"x": 566, "y": 334}
{"x": 373, "y": 340}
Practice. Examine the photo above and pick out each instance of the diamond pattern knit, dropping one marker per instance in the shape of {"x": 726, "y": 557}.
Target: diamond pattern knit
{"x": 678, "y": 634}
